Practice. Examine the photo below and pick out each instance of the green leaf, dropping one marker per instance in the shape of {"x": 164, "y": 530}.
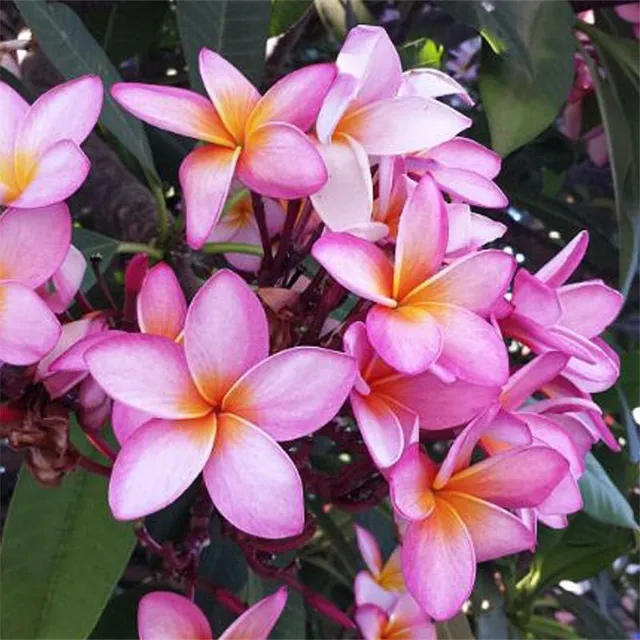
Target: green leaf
{"x": 489, "y": 606}
{"x": 285, "y": 13}
{"x": 591, "y": 622}
{"x": 339, "y": 16}
{"x": 62, "y": 555}
{"x": 236, "y": 30}
{"x": 520, "y": 106}
{"x": 543, "y": 627}
{"x": 457, "y": 628}
{"x": 71, "y": 48}
{"x": 602, "y": 499}
{"x": 93, "y": 244}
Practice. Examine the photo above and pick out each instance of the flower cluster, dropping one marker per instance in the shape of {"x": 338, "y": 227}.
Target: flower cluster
{"x": 353, "y": 181}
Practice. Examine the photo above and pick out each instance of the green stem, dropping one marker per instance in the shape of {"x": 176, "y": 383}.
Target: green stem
{"x": 139, "y": 247}
{"x": 213, "y": 248}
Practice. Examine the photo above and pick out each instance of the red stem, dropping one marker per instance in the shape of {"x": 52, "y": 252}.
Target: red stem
{"x": 101, "y": 446}
{"x": 93, "y": 467}
{"x": 259, "y": 214}
{"x": 223, "y": 596}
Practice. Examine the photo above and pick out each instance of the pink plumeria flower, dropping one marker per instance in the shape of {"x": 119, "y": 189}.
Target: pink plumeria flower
{"x": 220, "y": 406}
{"x": 382, "y": 583}
{"x": 405, "y": 619}
{"x": 60, "y": 290}
{"x": 457, "y": 515}
{"x": 423, "y": 315}
{"x": 631, "y": 13}
{"x": 33, "y": 246}
{"x": 41, "y": 162}
{"x": 362, "y": 117}
{"x": 463, "y": 169}
{"x": 163, "y": 615}
{"x": 548, "y": 315}
{"x": 258, "y": 139}
{"x": 238, "y": 224}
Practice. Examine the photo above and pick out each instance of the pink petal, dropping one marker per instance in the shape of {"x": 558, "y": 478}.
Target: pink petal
{"x": 280, "y": 161}
{"x": 474, "y": 282}
{"x": 469, "y": 186}
{"x": 531, "y": 378}
{"x": 356, "y": 343}
{"x": 629, "y": 12}
{"x": 588, "y": 308}
{"x": 410, "y": 482}
{"x": 513, "y": 479}
{"x": 535, "y": 299}
{"x": 28, "y": 328}
{"x": 438, "y": 562}
{"x": 13, "y": 109}
{"x": 66, "y": 281}
{"x": 33, "y": 243}
{"x": 422, "y": 238}
{"x": 233, "y": 96}
{"x": 162, "y": 614}
{"x": 380, "y": 429}
{"x": 162, "y": 306}
{"x": 157, "y": 464}
{"x": 205, "y": 177}
{"x": 71, "y": 357}
{"x": 472, "y": 349}
{"x": 339, "y": 97}
{"x": 225, "y": 334}
{"x": 357, "y": 265}
{"x": 408, "y": 620}
{"x": 56, "y": 175}
{"x": 72, "y": 333}
{"x": 559, "y": 269}
{"x": 368, "y": 591}
{"x": 579, "y": 430}
{"x": 462, "y": 153}
{"x": 506, "y": 431}
{"x": 369, "y": 550}
{"x": 258, "y": 621}
{"x": 484, "y": 230}
{"x": 597, "y": 146}
{"x": 253, "y": 482}
{"x": 371, "y": 621}
{"x": 407, "y": 338}
{"x": 571, "y": 124}
{"x": 296, "y": 98}
{"x": 177, "y": 110}
{"x": 402, "y": 125}
{"x": 431, "y": 83}
{"x": 564, "y": 498}
{"x": 494, "y": 531}
{"x": 597, "y": 375}
{"x": 270, "y": 395}
{"x": 69, "y": 111}
{"x": 246, "y": 234}
{"x": 148, "y": 373}
{"x": 349, "y": 177}
{"x": 125, "y": 421}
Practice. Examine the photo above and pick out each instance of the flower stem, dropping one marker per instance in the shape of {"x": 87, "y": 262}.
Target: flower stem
{"x": 213, "y": 248}
{"x": 139, "y": 247}
{"x": 261, "y": 220}
{"x": 101, "y": 446}
{"x": 94, "y": 467}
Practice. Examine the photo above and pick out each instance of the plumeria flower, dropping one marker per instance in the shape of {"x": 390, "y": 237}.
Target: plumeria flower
{"x": 362, "y": 117}
{"x": 258, "y": 139}
{"x": 463, "y": 169}
{"x": 631, "y": 13}
{"x": 546, "y": 314}
{"x": 220, "y": 406}
{"x": 458, "y": 514}
{"x": 238, "y": 224}
{"x": 404, "y": 619}
{"x": 33, "y": 246}
{"x": 169, "y": 616}
{"x": 423, "y": 315}
{"x": 382, "y": 583}
{"x": 60, "y": 290}
{"x": 41, "y": 162}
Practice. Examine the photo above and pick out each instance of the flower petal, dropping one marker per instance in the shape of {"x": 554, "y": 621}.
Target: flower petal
{"x": 270, "y": 395}
{"x": 469, "y": 187}
{"x": 494, "y": 531}
{"x": 162, "y": 306}
{"x": 69, "y": 111}
{"x": 280, "y": 161}
{"x": 438, "y": 562}
{"x": 125, "y": 421}
{"x": 371, "y": 621}
{"x": 66, "y": 281}
{"x": 339, "y": 97}
{"x": 58, "y": 174}
{"x": 258, "y": 621}
{"x": 72, "y": 356}
{"x": 535, "y": 299}
{"x": 357, "y": 265}
{"x": 431, "y": 83}
{"x": 28, "y": 328}
{"x": 559, "y": 269}
{"x": 180, "y": 111}
{"x": 367, "y": 591}
{"x": 13, "y": 110}
{"x": 422, "y": 238}
{"x": 369, "y": 550}
{"x": 462, "y": 153}
{"x": 163, "y": 614}
{"x": 410, "y": 482}
{"x": 157, "y": 463}
{"x": 148, "y": 373}
{"x": 253, "y": 482}
{"x": 588, "y": 308}
{"x": 349, "y": 178}
{"x": 205, "y": 176}
{"x": 233, "y": 96}
{"x": 407, "y": 338}
{"x": 296, "y": 98}
{"x": 225, "y": 334}
{"x": 33, "y": 243}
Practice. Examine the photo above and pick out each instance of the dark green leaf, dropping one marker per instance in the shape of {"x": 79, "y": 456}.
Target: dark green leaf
{"x": 62, "y": 555}
{"x": 602, "y": 499}
{"x": 520, "y": 106}
{"x": 285, "y": 13}
{"x": 543, "y": 627}
{"x": 489, "y": 607}
{"x": 236, "y": 30}
{"x": 457, "y": 628}
{"x": 381, "y": 526}
{"x": 119, "y": 620}
{"x": 94, "y": 244}
{"x": 68, "y": 44}
{"x": 590, "y": 622}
